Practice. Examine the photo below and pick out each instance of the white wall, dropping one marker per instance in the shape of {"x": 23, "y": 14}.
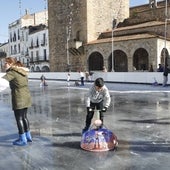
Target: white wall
{"x": 123, "y": 77}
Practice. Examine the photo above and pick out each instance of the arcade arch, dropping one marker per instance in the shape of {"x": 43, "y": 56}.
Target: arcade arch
{"x": 95, "y": 62}
{"x": 38, "y": 69}
{"x": 45, "y": 69}
{"x": 120, "y": 63}
{"x": 141, "y": 59}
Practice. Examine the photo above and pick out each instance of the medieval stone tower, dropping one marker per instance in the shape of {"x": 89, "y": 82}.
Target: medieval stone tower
{"x": 74, "y": 23}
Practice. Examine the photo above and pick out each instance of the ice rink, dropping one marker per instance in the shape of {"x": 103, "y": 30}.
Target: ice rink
{"x": 139, "y": 116}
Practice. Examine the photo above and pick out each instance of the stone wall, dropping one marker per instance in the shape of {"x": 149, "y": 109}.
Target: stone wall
{"x": 79, "y": 20}
{"x": 151, "y": 44}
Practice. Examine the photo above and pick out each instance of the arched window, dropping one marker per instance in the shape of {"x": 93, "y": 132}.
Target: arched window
{"x": 119, "y": 61}
{"x": 140, "y": 59}
{"x": 95, "y": 61}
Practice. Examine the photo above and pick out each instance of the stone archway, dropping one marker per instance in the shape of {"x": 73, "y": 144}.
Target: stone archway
{"x": 120, "y": 61}
{"x": 32, "y": 69}
{"x": 95, "y": 62}
{"x": 45, "y": 69}
{"x": 140, "y": 59}
{"x": 38, "y": 69}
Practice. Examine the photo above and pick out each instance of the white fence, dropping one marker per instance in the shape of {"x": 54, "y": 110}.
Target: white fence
{"x": 119, "y": 77}
{"x": 122, "y": 77}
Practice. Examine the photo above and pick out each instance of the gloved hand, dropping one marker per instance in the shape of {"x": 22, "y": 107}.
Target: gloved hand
{"x": 89, "y": 109}
{"x": 104, "y": 109}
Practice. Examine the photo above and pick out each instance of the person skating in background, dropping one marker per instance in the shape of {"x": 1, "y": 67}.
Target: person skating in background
{"x": 16, "y": 75}
{"x": 104, "y": 69}
{"x": 151, "y": 68}
{"x": 160, "y": 68}
{"x": 68, "y": 79}
{"x": 43, "y": 81}
{"x": 87, "y": 76}
{"x": 165, "y": 76}
{"x": 98, "y": 98}
{"x": 81, "y": 78}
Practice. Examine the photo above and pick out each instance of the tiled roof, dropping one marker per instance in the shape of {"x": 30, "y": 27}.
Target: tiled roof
{"x": 132, "y": 36}
{"x": 125, "y": 38}
{"x": 142, "y": 25}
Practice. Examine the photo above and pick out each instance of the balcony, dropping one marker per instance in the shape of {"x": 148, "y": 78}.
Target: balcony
{"x": 36, "y": 46}
{"x": 43, "y": 43}
{"x": 38, "y": 60}
{"x": 31, "y": 47}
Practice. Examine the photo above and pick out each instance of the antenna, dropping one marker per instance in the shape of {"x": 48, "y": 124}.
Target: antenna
{"x": 45, "y": 11}
{"x": 20, "y": 9}
{"x": 20, "y": 26}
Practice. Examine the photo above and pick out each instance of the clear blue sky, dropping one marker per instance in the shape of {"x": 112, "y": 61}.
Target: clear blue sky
{"x": 10, "y": 11}
{"x": 138, "y": 2}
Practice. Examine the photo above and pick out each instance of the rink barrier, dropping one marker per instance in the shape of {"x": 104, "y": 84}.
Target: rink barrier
{"x": 112, "y": 77}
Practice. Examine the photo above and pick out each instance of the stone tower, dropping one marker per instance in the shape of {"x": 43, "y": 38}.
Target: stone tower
{"x": 74, "y": 23}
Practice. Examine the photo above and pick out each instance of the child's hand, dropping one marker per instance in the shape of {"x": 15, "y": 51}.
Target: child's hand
{"x": 104, "y": 109}
{"x": 89, "y": 109}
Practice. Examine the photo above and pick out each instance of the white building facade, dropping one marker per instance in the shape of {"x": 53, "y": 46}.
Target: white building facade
{"x": 24, "y": 33}
{"x": 39, "y": 49}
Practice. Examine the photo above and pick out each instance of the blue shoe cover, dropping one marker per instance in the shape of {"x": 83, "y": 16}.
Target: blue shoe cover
{"x": 22, "y": 141}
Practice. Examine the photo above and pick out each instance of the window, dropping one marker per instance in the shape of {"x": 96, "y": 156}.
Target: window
{"x": 18, "y": 34}
{"x": 45, "y": 54}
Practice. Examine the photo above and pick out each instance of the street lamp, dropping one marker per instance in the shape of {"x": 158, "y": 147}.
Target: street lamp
{"x": 68, "y": 38}
{"x": 68, "y": 30}
{"x": 68, "y": 33}
{"x": 166, "y": 9}
{"x": 166, "y": 13}
{"x": 165, "y": 34}
{"x": 114, "y": 25}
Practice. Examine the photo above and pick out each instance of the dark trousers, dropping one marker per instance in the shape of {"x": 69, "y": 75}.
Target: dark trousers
{"x": 90, "y": 114}
{"x": 82, "y": 81}
{"x": 22, "y": 120}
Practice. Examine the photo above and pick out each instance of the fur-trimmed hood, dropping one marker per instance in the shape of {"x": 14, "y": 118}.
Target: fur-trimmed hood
{"x": 22, "y": 70}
